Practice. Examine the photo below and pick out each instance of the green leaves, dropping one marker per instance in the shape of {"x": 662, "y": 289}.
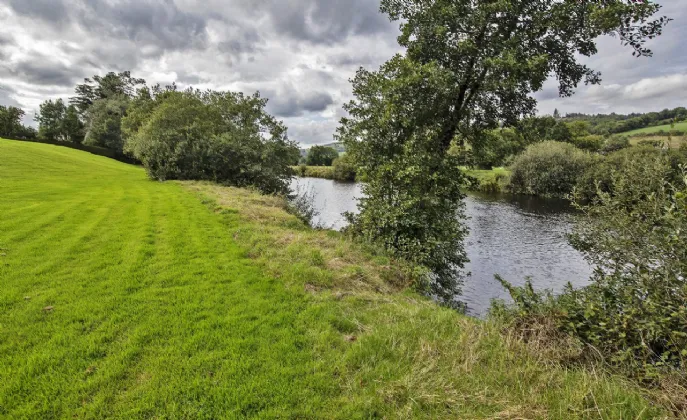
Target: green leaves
{"x": 634, "y": 311}
{"x": 224, "y": 137}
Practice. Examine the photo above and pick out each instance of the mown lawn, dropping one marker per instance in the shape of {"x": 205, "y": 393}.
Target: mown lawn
{"x": 122, "y": 297}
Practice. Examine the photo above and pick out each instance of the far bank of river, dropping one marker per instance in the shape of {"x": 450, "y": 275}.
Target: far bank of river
{"x": 513, "y": 236}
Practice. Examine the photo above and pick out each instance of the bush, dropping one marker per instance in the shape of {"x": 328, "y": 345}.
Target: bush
{"x": 217, "y": 136}
{"x": 549, "y": 168}
{"x": 592, "y": 143}
{"x": 599, "y": 176}
{"x": 615, "y": 143}
{"x": 658, "y": 144}
{"x": 634, "y": 312}
{"x": 344, "y": 168}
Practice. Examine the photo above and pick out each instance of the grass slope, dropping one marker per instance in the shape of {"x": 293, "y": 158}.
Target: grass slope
{"x": 681, "y": 126}
{"x": 122, "y": 297}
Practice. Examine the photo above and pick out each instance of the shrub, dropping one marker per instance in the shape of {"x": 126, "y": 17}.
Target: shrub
{"x": 615, "y": 143}
{"x": 599, "y": 176}
{"x": 344, "y": 168}
{"x": 592, "y": 143}
{"x": 634, "y": 312}
{"x": 658, "y": 144}
{"x": 548, "y": 168}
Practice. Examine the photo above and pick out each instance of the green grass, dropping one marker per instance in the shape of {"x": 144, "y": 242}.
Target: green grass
{"x": 681, "y": 126}
{"x": 121, "y": 297}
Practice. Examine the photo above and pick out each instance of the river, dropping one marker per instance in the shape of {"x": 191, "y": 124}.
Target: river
{"x": 514, "y": 236}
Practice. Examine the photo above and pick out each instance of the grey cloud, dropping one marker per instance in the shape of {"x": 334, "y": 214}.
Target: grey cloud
{"x": 147, "y": 22}
{"x": 326, "y": 21}
{"x": 241, "y": 43}
{"x": 291, "y": 103}
{"x": 309, "y": 132}
{"x": 53, "y": 11}
{"x": 42, "y": 71}
{"x": 7, "y": 96}
{"x": 156, "y": 22}
{"x": 6, "y": 40}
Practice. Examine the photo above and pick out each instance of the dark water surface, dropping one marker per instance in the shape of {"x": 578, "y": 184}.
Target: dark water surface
{"x": 514, "y": 236}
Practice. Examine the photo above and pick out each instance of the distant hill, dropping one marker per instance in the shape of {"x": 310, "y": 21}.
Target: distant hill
{"x": 618, "y": 123}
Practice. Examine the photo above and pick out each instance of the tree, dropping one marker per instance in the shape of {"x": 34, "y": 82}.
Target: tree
{"x": 72, "y": 128}
{"x": 50, "y": 119}
{"x": 104, "y": 123}
{"x": 10, "y": 121}
{"x": 556, "y": 114}
{"x": 104, "y": 87}
{"x": 578, "y": 128}
{"x": 469, "y": 66}
{"x": 224, "y": 137}
{"x": 321, "y": 156}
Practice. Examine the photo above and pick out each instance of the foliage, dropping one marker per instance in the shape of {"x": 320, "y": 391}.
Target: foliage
{"x": 112, "y": 85}
{"x": 599, "y": 176}
{"x": 590, "y": 143}
{"x": 11, "y": 123}
{"x": 468, "y": 67}
{"x": 603, "y": 124}
{"x": 104, "y": 123}
{"x": 72, "y": 127}
{"x": 495, "y": 180}
{"x": 220, "y": 136}
{"x": 634, "y": 311}
{"x": 548, "y": 168}
{"x": 344, "y": 168}
{"x": 50, "y": 120}
{"x": 321, "y": 156}
{"x": 494, "y": 148}
{"x": 615, "y": 143}
{"x": 58, "y": 122}
{"x": 536, "y": 129}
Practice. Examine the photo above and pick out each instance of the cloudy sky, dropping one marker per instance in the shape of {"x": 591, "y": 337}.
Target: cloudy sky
{"x": 298, "y": 53}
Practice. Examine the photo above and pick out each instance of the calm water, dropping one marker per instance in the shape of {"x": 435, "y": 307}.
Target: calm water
{"x": 514, "y": 236}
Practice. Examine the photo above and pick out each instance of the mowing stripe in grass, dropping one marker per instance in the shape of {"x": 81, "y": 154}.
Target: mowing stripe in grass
{"x": 121, "y": 297}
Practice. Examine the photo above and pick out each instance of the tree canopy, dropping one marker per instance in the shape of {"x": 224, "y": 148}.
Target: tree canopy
{"x": 225, "y": 137}
{"x": 321, "y": 156}
{"x": 469, "y": 67}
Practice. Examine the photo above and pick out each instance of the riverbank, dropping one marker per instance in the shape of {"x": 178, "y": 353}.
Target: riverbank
{"x": 125, "y": 297}
{"x": 488, "y": 181}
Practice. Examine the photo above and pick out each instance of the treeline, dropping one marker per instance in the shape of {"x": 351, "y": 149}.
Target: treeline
{"x": 605, "y": 124}
{"x": 11, "y": 124}
{"x": 225, "y": 137}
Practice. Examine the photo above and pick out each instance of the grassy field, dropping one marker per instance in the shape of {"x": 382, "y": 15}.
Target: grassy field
{"x": 681, "y": 126}
{"x": 122, "y": 297}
